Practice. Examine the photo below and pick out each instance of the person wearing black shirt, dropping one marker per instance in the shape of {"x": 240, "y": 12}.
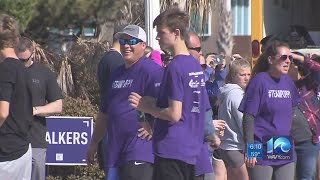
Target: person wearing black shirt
{"x": 47, "y": 100}
{"x": 15, "y": 107}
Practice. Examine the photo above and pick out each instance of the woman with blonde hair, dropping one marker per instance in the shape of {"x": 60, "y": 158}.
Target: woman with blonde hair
{"x": 229, "y": 98}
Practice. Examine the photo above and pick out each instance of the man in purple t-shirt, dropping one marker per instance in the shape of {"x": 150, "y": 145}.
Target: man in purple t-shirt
{"x": 180, "y": 107}
{"x": 127, "y": 151}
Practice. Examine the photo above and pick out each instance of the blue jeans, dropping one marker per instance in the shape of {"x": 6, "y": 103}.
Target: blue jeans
{"x": 307, "y": 154}
{"x": 112, "y": 174}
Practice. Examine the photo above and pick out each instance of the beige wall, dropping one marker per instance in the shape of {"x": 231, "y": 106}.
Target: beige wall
{"x": 209, "y": 44}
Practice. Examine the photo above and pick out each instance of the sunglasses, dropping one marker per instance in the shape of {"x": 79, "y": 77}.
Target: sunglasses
{"x": 132, "y": 41}
{"x": 198, "y": 49}
{"x": 25, "y": 60}
{"x": 285, "y": 57}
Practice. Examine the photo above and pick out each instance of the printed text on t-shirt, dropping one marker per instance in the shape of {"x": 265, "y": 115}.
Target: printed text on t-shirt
{"x": 279, "y": 94}
{"x": 122, "y": 84}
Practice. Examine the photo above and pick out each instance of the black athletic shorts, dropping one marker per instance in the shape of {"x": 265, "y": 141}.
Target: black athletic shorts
{"x": 136, "y": 170}
{"x": 216, "y": 155}
{"x": 172, "y": 169}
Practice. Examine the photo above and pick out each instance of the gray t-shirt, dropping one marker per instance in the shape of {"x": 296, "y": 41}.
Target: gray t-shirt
{"x": 300, "y": 129}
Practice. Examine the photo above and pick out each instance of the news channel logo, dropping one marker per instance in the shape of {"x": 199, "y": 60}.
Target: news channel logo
{"x": 279, "y": 148}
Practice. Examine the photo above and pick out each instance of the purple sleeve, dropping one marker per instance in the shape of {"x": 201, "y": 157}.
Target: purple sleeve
{"x": 153, "y": 83}
{"x": 174, "y": 84}
{"x": 252, "y": 98}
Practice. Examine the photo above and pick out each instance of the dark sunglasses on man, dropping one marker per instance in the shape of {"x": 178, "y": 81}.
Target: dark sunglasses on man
{"x": 198, "y": 49}
{"x": 132, "y": 41}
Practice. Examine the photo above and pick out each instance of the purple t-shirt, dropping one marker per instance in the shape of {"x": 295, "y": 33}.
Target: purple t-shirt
{"x": 183, "y": 81}
{"x": 203, "y": 165}
{"x": 270, "y": 101}
{"x": 144, "y": 78}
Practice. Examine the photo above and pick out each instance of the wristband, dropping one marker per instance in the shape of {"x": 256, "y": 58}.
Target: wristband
{"x": 36, "y": 111}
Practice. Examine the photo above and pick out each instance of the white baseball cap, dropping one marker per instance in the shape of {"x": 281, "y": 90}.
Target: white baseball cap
{"x": 134, "y": 31}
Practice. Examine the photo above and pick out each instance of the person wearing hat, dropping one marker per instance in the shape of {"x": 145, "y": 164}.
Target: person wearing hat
{"x": 129, "y": 145}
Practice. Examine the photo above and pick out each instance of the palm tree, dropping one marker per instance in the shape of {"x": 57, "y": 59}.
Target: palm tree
{"x": 193, "y": 7}
{"x": 131, "y": 11}
{"x": 225, "y": 39}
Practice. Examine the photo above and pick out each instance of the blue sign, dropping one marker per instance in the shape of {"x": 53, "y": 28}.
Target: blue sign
{"x": 254, "y": 150}
{"x": 279, "y": 147}
{"x": 68, "y": 139}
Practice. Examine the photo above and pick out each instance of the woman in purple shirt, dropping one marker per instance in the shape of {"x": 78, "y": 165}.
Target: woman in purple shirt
{"x": 267, "y": 106}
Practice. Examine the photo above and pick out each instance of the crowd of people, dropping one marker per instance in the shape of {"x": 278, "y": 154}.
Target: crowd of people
{"x": 194, "y": 115}
{"x": 186, "y": 115}
{"x": 170, "y": 114}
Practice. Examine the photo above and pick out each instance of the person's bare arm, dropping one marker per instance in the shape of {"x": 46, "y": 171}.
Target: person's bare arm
{"x": 98, "y": 133}
{"x": 145, "y": 132}
{"x": 147, "y": 104}
{"x": 312, "y": 65}
{"x": 48, "y": 109}
{"x": 4, "y": 111}
{"x": 171, "y": 113}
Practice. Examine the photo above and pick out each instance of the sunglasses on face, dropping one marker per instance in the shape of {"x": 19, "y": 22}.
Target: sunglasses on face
{"x": 132, "y": 41}
{"x": 198, "y": 49}
{"x": 285, "y": 57}
{"x": 25, "y": 60}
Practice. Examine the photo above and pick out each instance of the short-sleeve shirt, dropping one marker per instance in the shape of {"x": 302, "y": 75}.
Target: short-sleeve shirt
{"x": 14, "y": 89}
{"x": 183, "y": 81}
{"x": 109, "y": 62}
{"x": 270, "y": 101}
{"x": 144, "y": 78}
{"x": 44, "y": 89}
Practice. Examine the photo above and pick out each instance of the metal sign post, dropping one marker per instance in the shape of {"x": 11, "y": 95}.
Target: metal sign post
{"x": 152, "y": 10}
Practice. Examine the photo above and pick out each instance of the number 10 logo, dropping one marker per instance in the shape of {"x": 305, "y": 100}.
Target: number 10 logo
{"x": 278, "y": 145}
